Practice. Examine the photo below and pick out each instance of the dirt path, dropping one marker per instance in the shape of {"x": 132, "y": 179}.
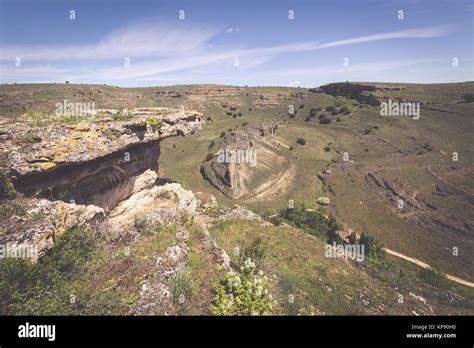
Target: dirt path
{"x": 448, "y": 183}
{"x": 426, "y": 266}
{"x": 278, "y": 142}
{"x": 280, "y": 183}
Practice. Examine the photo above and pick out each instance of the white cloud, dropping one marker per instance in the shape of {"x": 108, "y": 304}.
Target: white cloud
{"x": 141, "y": 40}
{"x": 156, "y": 49}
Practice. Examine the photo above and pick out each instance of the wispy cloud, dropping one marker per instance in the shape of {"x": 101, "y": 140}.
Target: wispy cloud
{"x": 158, "y": 49}
{"x": 148, "y": 39}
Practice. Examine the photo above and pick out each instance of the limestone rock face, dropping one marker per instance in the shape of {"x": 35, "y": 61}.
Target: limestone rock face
{"x": 243, "y": 153}
{"x": 323, "y": 201}
{"x": 155, "y": 204}
{"x": 101, "y": 173}
{"x": 89, "y": 162}
{"x": 43, "y": 224}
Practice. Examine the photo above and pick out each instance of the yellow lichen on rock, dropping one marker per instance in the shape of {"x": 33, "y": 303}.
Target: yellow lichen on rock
{"x": 47, "y": 165}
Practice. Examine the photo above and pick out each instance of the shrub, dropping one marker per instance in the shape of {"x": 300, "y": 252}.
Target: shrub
{"x": 325, "y": 121}
{"x": 147, "y": 228}
{"x": 372, "y": 247}
{"x": 121, "y": 115}
{"x": 255, "y": 251}
{"x": 468, "y": 98}
{"x": 246, "y": 292}
{"x": 209, "y": 156}
{"x": 181, "y": 285}
{"x": 301, "y": 106}
{"x": 154, "y": 123}
{"x": 313, "y": 111}
{"x": 301, "y": 141}
{"x": 327, "y": 149}
{"x": 233, "y": 108}
{"x": 313, "y": 222}
{"x": 7, "y": 189}
{"x": 345, "y": 110}
{"x": 434, "y": 277}
{"x": 222, "y": 134}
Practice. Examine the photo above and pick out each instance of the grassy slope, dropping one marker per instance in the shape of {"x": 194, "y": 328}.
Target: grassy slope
{"x": 354, "y": 204}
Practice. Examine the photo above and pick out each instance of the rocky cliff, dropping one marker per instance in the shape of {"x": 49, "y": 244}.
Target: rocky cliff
{"x": 76, "y": 174}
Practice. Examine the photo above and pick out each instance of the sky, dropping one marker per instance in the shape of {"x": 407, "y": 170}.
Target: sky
{"x": 303, "y": 43}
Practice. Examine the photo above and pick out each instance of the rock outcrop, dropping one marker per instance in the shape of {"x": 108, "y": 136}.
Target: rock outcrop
{"x": 245, "y": 153}
{"x": 102, "y": 174}
{"x": 89, "y": 163}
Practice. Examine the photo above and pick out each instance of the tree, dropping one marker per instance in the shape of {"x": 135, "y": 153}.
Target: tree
{"x": 365, "y": 242}
{"x": 325, "y": 121}
{"x": 301, "y": 141}
{"x": 352, "y": 238}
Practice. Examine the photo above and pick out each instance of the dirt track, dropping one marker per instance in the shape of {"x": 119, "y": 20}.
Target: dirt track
{"x": 426, "y": 266}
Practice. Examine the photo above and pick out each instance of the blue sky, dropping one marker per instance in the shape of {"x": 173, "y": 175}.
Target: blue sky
{"x": 235, "y": 42}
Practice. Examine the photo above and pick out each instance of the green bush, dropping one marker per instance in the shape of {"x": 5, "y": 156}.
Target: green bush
{"x": 181, "y": 285}
{"x": 301, "y": 141}
{"x": 154, "y": 123}
{"x": 345, "y": 110}
{"x": 313, "y": 222}
{"x": 468, "y": 98}
{"x": 147, "y": 228}
{"x": 255, "y": 251}
{"x": 121, "y": 115}
{"x": 434, "y": 277}
{"x": 246, "y": 292}
{"x": 6, "y": 187}
{"x": 325, "y": 121}
{"x": 372, "y": 247}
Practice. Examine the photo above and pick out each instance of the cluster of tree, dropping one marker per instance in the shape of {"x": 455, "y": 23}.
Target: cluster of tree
{"x": 352, "y": 91}
{"x": 317, "y": 223}
{"x": 314, "y": 222}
